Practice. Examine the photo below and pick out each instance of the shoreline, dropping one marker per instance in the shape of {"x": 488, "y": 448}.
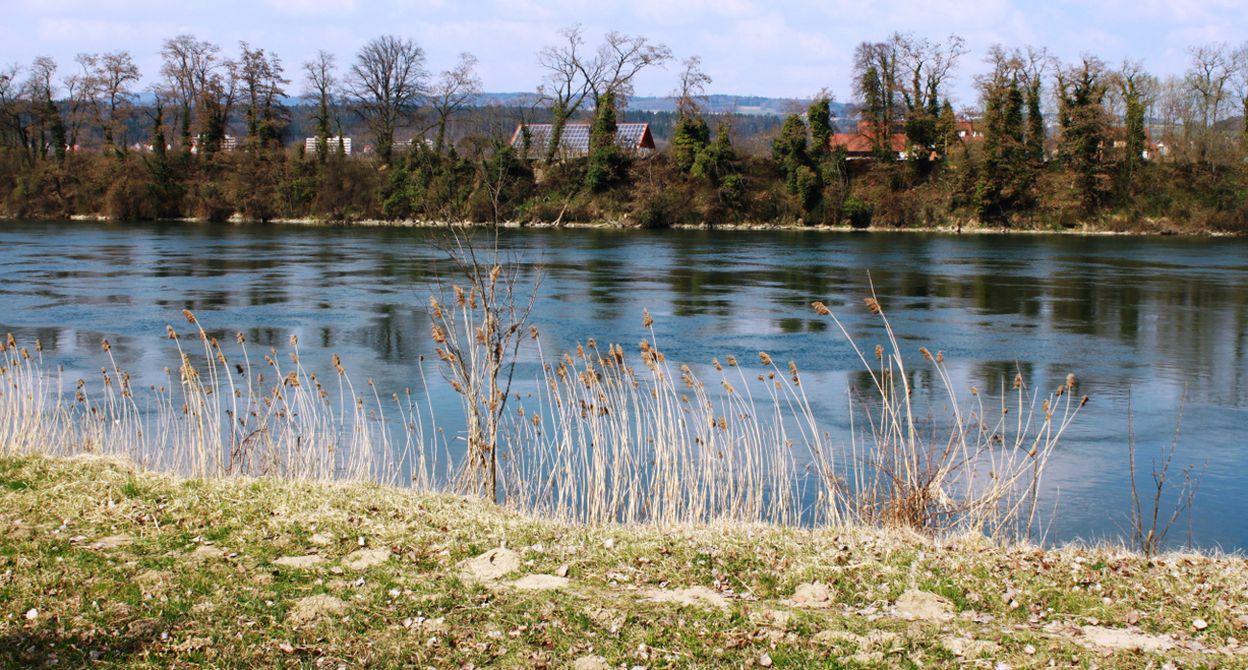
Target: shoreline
{"x": 165, "y": 570}
{"x": 973, "y": 229}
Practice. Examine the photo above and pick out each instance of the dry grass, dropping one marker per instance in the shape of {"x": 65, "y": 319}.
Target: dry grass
{"x": 609, "y": 438}
{"x": 103, "y": 563}
{"x": 218, "y": 414}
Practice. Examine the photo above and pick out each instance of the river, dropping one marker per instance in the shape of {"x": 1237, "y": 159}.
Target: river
{"x": 1157, "y": 325}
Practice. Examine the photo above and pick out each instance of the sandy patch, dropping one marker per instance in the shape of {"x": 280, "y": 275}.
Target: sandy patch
{"x": 298, "y": 562}
{"x": 367, "y": 558}
{"x": 697, "y": 596}
{"x": 312, "y": 608}
{"x": 914, "y": 605}
{"x": 490, "y": 566}
{"x": 540, "y": 582}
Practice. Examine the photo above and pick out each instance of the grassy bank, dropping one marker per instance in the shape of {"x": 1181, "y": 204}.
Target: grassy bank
{"x": 104, "y": 565}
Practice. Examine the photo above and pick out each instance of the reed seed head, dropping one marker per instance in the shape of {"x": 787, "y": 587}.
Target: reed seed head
{"x": 873, "y": 305}
{"x": 1071, "y": 381}
{"x": 764, "y": 358}
{"x": 105, "y": 345}
{"x": 646, "y": 319}
{"x": 820, "y": 308}
{"x": 190, "y": 318}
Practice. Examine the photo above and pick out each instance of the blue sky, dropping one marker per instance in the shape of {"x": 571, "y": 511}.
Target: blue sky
{"x": 773, "y": 48}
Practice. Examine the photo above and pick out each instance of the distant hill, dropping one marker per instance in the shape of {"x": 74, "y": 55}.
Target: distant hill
{"x": 747, "y": 105}
{"x": 715, "y": 104}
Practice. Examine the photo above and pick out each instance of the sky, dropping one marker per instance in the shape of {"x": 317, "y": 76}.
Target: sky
{"x": 775, "y": 48}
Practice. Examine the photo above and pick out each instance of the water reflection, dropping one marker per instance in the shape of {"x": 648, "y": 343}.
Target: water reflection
{"x": 1152, "y": 319}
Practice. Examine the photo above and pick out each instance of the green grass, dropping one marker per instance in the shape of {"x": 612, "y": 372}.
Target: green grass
{"x": 196, "y": 582}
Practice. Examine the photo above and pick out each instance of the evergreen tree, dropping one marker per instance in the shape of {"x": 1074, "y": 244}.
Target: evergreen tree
{"x": 690, "y": 137}
{"x": 1035, "y": 123}
{"x": 819, "y": 116}
{"x": 608, "y": 163}
{"x": 947, "y": 129}
{"x": 789, "y": 150}
{"x": 1134, "y": 127}
{"x": 56, "y": 131}
{"x": 1085, "y": 126}
{"x": 717, "y": 160}
{"x": 1012, "y": 150}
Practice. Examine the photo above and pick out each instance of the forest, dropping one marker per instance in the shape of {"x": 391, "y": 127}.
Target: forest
{"x": 1048, "y": 145}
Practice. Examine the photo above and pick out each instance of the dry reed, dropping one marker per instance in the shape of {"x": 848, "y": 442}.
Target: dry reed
{"x": 609, "y": 437}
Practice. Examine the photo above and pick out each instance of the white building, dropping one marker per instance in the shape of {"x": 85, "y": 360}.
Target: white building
{"x": 332, "y": 144}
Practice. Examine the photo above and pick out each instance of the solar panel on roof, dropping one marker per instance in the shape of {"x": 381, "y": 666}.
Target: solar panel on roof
{"x": 575, "y": 138}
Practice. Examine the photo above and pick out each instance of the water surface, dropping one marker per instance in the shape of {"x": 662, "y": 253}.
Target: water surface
{"x": 1156, "y": 324}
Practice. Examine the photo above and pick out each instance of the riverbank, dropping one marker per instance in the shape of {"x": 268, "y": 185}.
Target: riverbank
{"x": 1149, "y": 228}
{"x": 101, "y": 563}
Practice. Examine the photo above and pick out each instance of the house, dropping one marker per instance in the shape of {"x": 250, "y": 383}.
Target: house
{"x": 332, "y": 144}
{"x": 228, "y": 143}
{"x": 1118, "y": 140}
{"x": 406, "y": 145}
{"x": 633, "y": 137}
{"x": 968, "y": 132}
{"x": 861, "y": 145}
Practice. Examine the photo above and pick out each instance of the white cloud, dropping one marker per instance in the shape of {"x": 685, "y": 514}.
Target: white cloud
{"x": 779, "y": 47}
{"x": 314, "y": 8}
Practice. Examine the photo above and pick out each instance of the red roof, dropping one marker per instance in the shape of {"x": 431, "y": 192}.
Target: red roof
{"x": 863, "y": 141}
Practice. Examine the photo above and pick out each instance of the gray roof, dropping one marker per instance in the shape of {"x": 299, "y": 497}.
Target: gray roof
{"x": 575, "y": 138}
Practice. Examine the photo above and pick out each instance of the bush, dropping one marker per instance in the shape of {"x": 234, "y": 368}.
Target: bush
{"x": 857, "y": 212}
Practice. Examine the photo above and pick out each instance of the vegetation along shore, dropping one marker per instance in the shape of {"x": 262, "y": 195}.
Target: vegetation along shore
{"x": 1048, "y": 145}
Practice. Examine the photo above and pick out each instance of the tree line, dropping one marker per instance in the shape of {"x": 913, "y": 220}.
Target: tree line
{"x": 1049, "y": 144}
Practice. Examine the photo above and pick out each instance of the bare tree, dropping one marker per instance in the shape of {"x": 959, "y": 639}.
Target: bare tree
{"x": 691, "y": 89}
{"x": 478, "y": 330}
{"x": 321, "y": 88}
{"x": 1239, "y": 63}
{"x": 454, "y": 89}
{"x": 264, "y": 85}
{"x": 573, "y": 75}
{"x": 80, "y": 90}
{"x": 620, "y": 59}
{"x": 926, "y": 66}
{"x": 12, "y": 126}
{"x": 565, "y": 85}
{"x": 876, "y": 86}
{"x": 386, "y": 83}
{"x": 110, "y": 78}
{"x": 1208, "y": 77}
{"x": 216, "y": 104}
{"x": 45, "y": 117}
{"x": 189, "y": 69}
